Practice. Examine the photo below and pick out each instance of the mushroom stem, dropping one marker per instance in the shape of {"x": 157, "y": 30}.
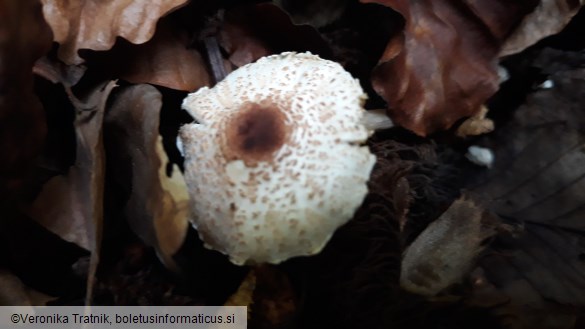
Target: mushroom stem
{"x": 377, "y": 120}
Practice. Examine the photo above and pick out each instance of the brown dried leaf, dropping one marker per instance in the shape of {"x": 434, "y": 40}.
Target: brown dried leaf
{"x": 171, "y": 224}
{"x": 95, "y": 24}
{"x": 71, "y": 206}
{"x": 275, "y": 303}
{"x": 57, "y": 72}
{"x": 157, "y": 207}
{"x": 244, "y": 296}
{"x": 549, "y": 17}
{"x": 15, "y": 293}
{"x": 443, "y": 67}
{"x": 446, "y": 250}
{"x": 343, "y": 285}
{"x": 24, "y": 37}
{"x": 476, "y": 125}
{"x": 538, "y": 184}
{"x": 164, "y": 61}
{"x": 269, "y": 296}
{"x": 58, "y": 210}
{"x": 253, "y": 31}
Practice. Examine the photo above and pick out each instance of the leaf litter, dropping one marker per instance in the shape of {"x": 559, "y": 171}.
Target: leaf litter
{"x": 438, "y": 242}
{"x": 537, "y": 187}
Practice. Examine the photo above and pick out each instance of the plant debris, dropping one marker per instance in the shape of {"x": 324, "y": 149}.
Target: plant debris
{"x": 466, "y": 218}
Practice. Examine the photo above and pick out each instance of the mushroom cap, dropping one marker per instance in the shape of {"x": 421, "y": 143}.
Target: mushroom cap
{"x": 275, "y": 164}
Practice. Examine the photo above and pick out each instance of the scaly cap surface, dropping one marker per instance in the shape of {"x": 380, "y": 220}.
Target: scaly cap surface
{"x": 275, "y": 165}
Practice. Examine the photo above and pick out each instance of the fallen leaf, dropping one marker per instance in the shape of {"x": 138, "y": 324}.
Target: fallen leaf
{"x": 58, "y": 72}
{"x": 342, "y": 286}
{"x": 244, "y": 296}
{"x": 53, "y": 85}
{"x": 274, "y": 302}
{"x": 16, "y": 293}
{"x": 377, "y": 119}
{"x": 171, "y": 224}
{"x": 476, "y": 125}
{"x": 446, "y": 250}
{"x": 538, "y": 185}
{"x": 444, "y": 66}
{"x": 71, "y": 206}
{"x": 24, "y": 38}
{"x": 157, "y": 206}
{"x": 53, "y": 210}
{"x": 94, "y": 24}
{"x": 41, "y": 259}
{"x": 165, "y": 60}
{"x": 548, "y": 18}
{"x": 254, "y": 31}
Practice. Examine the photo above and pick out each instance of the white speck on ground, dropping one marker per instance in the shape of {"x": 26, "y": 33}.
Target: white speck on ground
{"x": 480, "y": 156}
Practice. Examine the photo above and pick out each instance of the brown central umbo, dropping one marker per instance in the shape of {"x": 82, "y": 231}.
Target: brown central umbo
{"x": 255, "y": 133}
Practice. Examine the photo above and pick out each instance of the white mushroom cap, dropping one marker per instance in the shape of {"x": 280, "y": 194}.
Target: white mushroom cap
{"x": 275, "y": 164}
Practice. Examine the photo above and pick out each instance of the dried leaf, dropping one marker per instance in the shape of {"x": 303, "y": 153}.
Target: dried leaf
{"x": 38, "y": 257}
{"x": 24, "y": 38}
{"x": 343, "y": 285}
{"x": 15, "y": 293}
{"x": 253, "y": 31}
{"x": 95, "y": 24}
{"x": 476, "y": 125}
{"x": 549, "y": 17}
{"x": 446, "y": 250}
{"x": 377, "y": 120}
{"x": 443, "y": 68}
{"x": 269, "y": 296}
{"x": 538, "y": 184}
{"x": 157, "y": 207}
{"x": 275, "y": 303}
{"x": 57, "y": 72}
{"x": 58, "y": 210}
{"x": 71, "y": 206}
{"x": 171, "y": 224}
{"x": 244, "y": 296}
{"x": 165, "y": 60}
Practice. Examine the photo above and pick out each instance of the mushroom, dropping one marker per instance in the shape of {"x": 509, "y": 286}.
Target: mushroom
{"x": 275, "y": 163}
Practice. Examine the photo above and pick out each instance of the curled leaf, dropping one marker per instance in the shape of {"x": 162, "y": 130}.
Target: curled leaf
{"x": 95, "y": 24}
{"x": 71, "y": 206}
{"x": 157, "y": 205}
{"x": 549, "y": 17}
{"x": 443, "y": 68}
{"x": 171, "y": 224}
{"x": 477, "y": 124}
{"x": 57, "y": 72}
{"x": 445, "y": 251}
{"x": 165, "y": 60}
